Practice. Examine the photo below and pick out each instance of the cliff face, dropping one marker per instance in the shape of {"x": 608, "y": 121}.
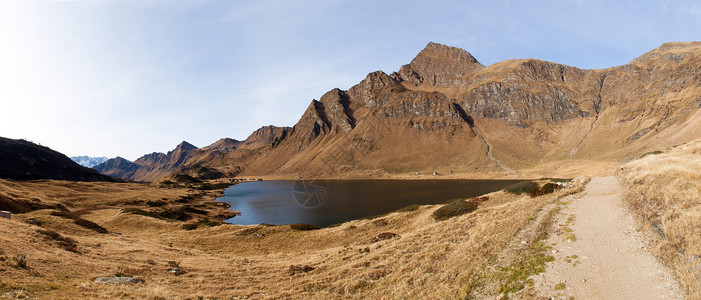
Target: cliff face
{"x": 118, "y": 168}
{"x": 444, "y": 111}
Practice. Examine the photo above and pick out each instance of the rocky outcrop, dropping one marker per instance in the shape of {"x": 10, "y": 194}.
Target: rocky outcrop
{"x": 439, "y": 65}
{"x": 118, "y": 168}
{"x": 265, "y": 136}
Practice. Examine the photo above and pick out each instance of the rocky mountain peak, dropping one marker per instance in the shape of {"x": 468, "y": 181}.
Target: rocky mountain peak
{"x": 435, "y": 50}
{"x": 224, "y": 143}
{"x": 265, "y": 136}
{"x": 185, "y": 146}
{"x": 439, "y": 65}
{"x": 672, "y": 51}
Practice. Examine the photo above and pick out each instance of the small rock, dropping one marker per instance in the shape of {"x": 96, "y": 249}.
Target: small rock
{"x": 118, "y": 280}
{"x": 380, "y": 222}
{"x": 524, "y": 242}
{"x": 34, "y": 221}
{"x": 176, "y": 271}
{"x": 384, "y": 236}
{"x": 554, "y": 251}
{"x": 299, "y": 269}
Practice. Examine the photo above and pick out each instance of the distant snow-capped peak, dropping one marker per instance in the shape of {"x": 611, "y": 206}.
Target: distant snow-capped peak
{"x": 87, "y": 161}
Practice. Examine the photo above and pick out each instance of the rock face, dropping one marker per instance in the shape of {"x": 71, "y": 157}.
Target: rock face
{"x": 23, "y": 160}
{"x": 445, "y": 112}
{"x": 439, "y": 65}
{"x": 118, "y": 168}
{"x": 265, "y": 136}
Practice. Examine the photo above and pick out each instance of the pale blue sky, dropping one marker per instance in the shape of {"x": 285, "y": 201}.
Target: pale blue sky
{"x": 129, "y": 77}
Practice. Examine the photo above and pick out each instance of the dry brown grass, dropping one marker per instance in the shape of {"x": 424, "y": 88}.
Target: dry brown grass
{"x": 428, "y": 259}
{"x": 664, "y": 191}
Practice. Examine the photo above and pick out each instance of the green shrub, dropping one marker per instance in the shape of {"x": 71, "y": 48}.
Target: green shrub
{"x": 455, "y": 208}
{"x": 522, "y": 187}
{"x": 547, "y": 188}
{"x": 303, "y": 227}
{"x": 557, "y": 179}
{"x": 533, "y": 189}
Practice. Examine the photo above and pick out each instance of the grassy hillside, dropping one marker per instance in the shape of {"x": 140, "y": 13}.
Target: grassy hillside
{"x": 405, "y": 254}
{"x": 663, "y": 188}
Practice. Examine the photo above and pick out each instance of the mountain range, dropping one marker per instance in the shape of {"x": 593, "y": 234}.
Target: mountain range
{"x": 445, "y": 112}
{"x": 88, "y": 161}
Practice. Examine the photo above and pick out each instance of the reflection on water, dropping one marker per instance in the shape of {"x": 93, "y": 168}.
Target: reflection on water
{"x": 326, "y": 202}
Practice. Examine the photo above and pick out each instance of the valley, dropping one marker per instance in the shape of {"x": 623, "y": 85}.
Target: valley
{"x": 626, "y": 136}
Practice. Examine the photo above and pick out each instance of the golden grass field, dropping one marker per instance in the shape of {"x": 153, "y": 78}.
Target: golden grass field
{"x": 428, "y": 259}
{"x": 663, "y": 189}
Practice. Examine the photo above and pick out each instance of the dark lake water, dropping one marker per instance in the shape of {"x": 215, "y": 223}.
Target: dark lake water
{"x": 326, "y": 202}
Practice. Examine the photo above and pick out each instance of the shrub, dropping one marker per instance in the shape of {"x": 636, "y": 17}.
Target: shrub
{"x": 547, "y": 188}
{"x": 533, "y": 189}
{"x": 303, "y": 227}
{"x": 557, "y": 179}
{"x": 455, "y": 208}
{"x": 522, "y": 187}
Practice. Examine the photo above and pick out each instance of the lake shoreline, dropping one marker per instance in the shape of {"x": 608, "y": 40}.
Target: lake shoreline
{"x": 323, "y": 202}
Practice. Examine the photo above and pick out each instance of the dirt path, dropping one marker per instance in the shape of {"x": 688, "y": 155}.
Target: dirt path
{"x": 599, "y": 254}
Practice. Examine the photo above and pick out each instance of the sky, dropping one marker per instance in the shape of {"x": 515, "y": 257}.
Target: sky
{"x": 130, "y": 77}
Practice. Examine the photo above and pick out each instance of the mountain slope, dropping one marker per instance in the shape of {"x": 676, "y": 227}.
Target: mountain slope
{"x": 445, "y": 112}
{"x": 118, "y": 168}
{"x": 23, "y": 160}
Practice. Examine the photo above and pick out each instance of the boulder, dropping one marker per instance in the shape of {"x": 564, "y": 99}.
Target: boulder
{"x": 118, "y": 280}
